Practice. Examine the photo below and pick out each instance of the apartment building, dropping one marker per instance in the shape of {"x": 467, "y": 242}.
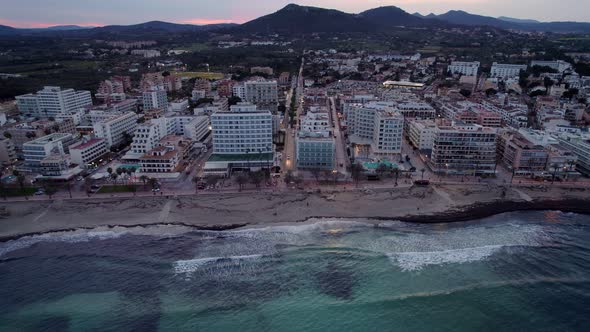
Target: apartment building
{"x": 115, "y": 128}
{"x": 155, "y": 99}
{"x": 264, "y": 94}
{"x": 579, "y": 144}
{"x": 520, "y": 155}
{"x": 242, "y": 139}
{"x": 36, "y": 150}
{"x": 558, "y": 65}
{"x": 421, "y": 133}
{"x": 198, "y": 128}
{"x": 503, "y": 70}
{"x": 52, "y": 101}
{"x": 315, "y": 150}
{"x": 464, "y": 68}
{"x": 7, "y": 151}
{"x": 460, "y": 148}
{"x": 88, "y": 151}
{"x": 376, "y": 125}
{"x": 167, "y": 156}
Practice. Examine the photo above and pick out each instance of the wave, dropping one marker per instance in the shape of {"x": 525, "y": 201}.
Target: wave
{"x": 192, "y": 265}
{"x": 412, "y": 261}
{"x": 86, "y": 235}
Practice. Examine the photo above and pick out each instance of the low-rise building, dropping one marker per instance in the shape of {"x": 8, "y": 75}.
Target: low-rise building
{"x": 36, "y": 150}
{"x": 88, "y": 151}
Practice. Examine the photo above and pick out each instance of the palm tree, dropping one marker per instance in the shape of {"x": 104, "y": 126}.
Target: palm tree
{"x": 153, "y": 182}
{"x": 396, "y": 173}
{"x": 241, "y": 180}
{"x": 555, "y": 167}
{"x": 356, "y": 172}
{"x": 316, "y": 172}
{"x": 21, "y": 182}
{"x": 381, "y": 170}
{"x": 422, "y": 171}
{"x": 110, "y": 171}
{"x": 114, "y": 177}
{"x": 144, "y": 178}
{"x": 256, "y": 178}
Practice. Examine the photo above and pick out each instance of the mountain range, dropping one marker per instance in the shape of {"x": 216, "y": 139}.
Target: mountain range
{"x": 303, "y": 19}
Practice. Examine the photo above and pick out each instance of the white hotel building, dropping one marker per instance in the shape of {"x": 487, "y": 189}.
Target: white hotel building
{"x": 464, "y": 68}
{"x": 52, "y": 101}
{"x": 114, "y": 128}
{"x": 376, "y": 125}
{"x": 242, "y": 139}
{"x": 88, "y": 151}
{"x": 502, "y": 70}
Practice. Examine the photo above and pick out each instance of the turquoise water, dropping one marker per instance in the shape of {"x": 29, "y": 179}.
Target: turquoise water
{"x": 511, "y": 272}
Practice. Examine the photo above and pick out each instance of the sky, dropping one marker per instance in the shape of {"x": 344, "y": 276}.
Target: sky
{"x": 43, "y": 13}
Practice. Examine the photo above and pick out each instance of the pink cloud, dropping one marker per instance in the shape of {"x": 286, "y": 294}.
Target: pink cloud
{"x": 29, "y": 24}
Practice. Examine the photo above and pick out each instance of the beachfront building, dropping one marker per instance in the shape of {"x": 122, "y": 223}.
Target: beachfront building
{"x": 315, "y": 150}
{"x": 460, "y": 148}
{"x": 114, "y": 128}
{"x": 51, "y": 101}
{"x": 242, "y": 139}
{"x": 167, "y": 156}
{"x": 421, "y": 134}
{"x": 503, "y": 70}
{"x": 377, "y": 126}
{"x": 198, "y": 128}
{"x": 521, "y": 156}
{"x": 87, "y": 151}
{"x": 464, "y": 68}
{"x": 36, "y": 150}
{"x": 579, "y": 144}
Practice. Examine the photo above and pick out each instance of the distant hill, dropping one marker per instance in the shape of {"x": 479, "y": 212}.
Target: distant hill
{"x": 4, "y": 29}
{"x": 517, "y": 20}
{"x": 394, "y": 16}
{"x": 464, "y": 18}
{"x": 301, "y": 19}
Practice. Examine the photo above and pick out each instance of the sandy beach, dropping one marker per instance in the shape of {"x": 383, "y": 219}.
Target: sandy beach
{"x": 443, "y": 203}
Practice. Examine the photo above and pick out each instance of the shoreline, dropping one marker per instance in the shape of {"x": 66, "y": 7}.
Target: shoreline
{"x": 442, "y": 204}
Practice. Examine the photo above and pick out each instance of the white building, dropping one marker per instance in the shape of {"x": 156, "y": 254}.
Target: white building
{"x": 376, "y": 125}
{"x": 580, "y": 146}
{"x": 52, "y": 101}
{"x": 421, "y": 133}
{"x": 315, "y": 150}
{"x": 242, "y": 130}
{"x": 155, "y": 99}
{"x": 87, "y": 151}
{"x": 113, "y": 129}
{"x": 198, "y": 128}
{"x": 464, "y": 68}
{"x": 463, "y": 149}
{"x": 264, "y": 94}
{"x": 558, "y": 65}
{"x": 502, "y": 70}
{"x": 179, "y": 105}
{"x": 239, "y": 91}
{"x": 36, "y": 150}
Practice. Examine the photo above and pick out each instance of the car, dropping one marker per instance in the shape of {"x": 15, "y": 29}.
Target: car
{"x": 39, "y": 192}
{"x": 155, "y": 190}
{"x": 94, "y": 187}
{"x": 288, "y": 157}
{"x": 79, "y": 178}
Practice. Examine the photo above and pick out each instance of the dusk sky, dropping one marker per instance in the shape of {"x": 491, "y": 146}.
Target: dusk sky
{"x": 43, "y": 13}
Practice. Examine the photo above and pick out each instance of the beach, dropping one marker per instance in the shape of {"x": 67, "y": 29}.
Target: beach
{"x": 442, "y": 203}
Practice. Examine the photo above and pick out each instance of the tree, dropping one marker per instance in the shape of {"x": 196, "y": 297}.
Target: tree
{"x": 396, "y": 172}
{"x": 114, "y": 177}
{"x": 316, "y": 173}
{"x": 554, "y": 167}
{"x": 7, "y": 135}
{"x": 491, "y": 91}
{"x": 381, "y": 170}
{"x": 357, "y": 173}
{"x": 466, "y": 93}
{"x": 211, "y": 180}
{"x": 49, "y": 188}
{"x": 20, "y": 178}
{"x": 110, "y": 171}
{"x": 242, "y": 179}
{"x": 144, "y": 179}
{"x": 256, "y": 178}
{"x": 299, "y": 179}
{"x": 233, "y": 100}
{"x": 422, "y": 171}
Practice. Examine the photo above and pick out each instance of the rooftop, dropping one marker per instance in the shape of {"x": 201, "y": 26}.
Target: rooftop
{"x": 86, "y": 144}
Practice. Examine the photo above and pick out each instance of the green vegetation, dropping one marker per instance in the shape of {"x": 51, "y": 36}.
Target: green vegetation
{"x": 200, "y": 74}
{"x": 15, "y": 192}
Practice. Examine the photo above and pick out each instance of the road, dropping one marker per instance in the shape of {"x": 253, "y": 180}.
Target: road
{"x": 290, "y": 131}
{"x": 342, "y": 160}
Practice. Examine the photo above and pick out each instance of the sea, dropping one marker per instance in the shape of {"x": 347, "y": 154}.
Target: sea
{"x": 525, "y": 271}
